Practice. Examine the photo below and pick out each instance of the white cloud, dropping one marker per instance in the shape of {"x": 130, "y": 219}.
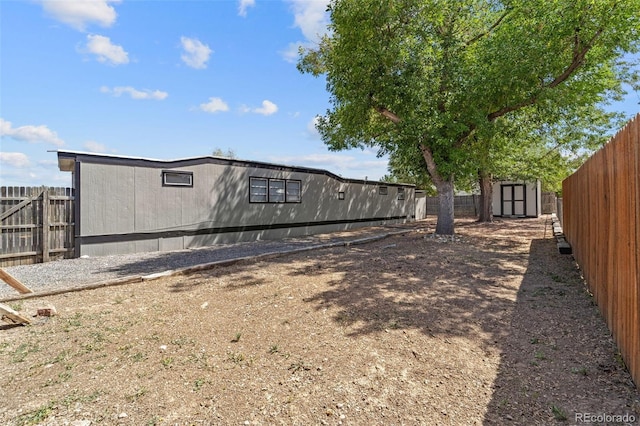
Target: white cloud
{"x": 155, "y": 95}
{"x": 93, "y": 146}
{"x": 106, "y": 51}
{"x": 80, "y": 13}
{"x": 244, "y": 5}
{"x": 267, "y": 108}
{"x": 311, "y": 17}
{"x": 311, "y": 127}
{"x": 196, "y": 54}
{"x": 292, "y": 52}
{"x": 14, "y": 159}
{"x": 48, "y": 164}
{"x": 214, "y": 105}
{"x": 31, "y": 134}
{"x": 354, "y": 166}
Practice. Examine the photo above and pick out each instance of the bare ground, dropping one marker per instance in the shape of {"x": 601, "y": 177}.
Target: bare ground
{"x": 493, "y": 328}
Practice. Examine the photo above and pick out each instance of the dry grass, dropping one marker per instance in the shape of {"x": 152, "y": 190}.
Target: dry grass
{"x": 491, "y": 328}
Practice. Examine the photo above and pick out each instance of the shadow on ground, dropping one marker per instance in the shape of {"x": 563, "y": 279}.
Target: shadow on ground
{"x": 503, "y": 286}
{"x": 517, "y": 296}
{"x": 559, "y": 363}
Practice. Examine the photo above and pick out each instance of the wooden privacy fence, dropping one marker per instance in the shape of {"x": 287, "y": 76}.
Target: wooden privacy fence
{"x": 469, "y": 205}
{"x": 601, "y": 204}
{"x": 549, "y": 203}
{"x": 463, "y": 205}
{"x": 36, "y": 224}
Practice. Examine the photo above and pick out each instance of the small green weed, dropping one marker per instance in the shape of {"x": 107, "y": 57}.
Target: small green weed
{"x": 236, "y": 358}
{"x": 237, "y": 338}
{"x": 166, "y": 362}
{"x": 393, "y": 325}
{"x": 64, "y": 376}
{"x": 540, "y": 355}
{"x": 16, "y": 306}
{"x": 558, "y": 413}
{"x": 74, "y": 397}
{"x": 139, "y": 393}
{"x": 138, "y": 357}
{"x": 582, "y": 371}
{"x": 274, "y": 349}
{"x": 154, "y": 421}
{"x": 556, "y": 278}
{"x": 60, "y": 357}
{"x": 22, "y": 351}
{"x": 36, "y": 416}
{"x": 73, "y": 322}
{"x": 183, "y": 341}
{"x": 299, "y": 366}
{"x": 198, "y": 383}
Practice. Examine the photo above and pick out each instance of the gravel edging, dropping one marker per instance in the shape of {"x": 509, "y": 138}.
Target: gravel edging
{"x": 282, "y": 249}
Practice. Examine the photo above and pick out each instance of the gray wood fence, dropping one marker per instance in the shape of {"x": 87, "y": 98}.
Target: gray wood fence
{"x": 463, "y": 205}
{"x": 36, "y": 224}
{"x": 549, "y": 203}
{"x": 469, "y": 205}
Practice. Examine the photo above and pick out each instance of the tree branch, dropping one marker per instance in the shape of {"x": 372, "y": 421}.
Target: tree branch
{"x": 577, "y": 60}
{"x": 431, "y": 165}
{"x": 491, "y": 28}
{"x": 388, "y": 114}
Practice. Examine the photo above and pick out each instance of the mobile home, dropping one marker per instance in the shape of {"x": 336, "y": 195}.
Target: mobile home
{"x": 128, "y": 205}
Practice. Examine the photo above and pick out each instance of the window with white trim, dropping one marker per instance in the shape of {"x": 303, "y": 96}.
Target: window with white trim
{"x": 258, "y": 190}
{"x": 276, "y": 191}
{"x": 400, "y": 193}
{"x": 294, "y": 190}
{"x": 177, "y": 178}
{"x": 266, "y": 190}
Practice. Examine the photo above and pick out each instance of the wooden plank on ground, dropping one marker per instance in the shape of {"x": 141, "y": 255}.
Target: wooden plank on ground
{"x": 9, "y": 315}
{"x": 6, "y": 277}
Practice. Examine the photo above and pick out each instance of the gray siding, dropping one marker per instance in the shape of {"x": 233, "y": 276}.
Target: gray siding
{"x": 123, "y": 199}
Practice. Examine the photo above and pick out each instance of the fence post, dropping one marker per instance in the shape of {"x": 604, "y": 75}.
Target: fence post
{"x": 45, "y": 225}
{"x": 559, "y": 210}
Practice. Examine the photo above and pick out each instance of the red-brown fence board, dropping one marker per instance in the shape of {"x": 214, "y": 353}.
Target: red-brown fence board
{"x": 601, "y": 220}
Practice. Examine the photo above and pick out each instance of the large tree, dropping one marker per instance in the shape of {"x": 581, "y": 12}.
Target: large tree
{"x": 435, "y": 76}
{"x": 538, "y": 143}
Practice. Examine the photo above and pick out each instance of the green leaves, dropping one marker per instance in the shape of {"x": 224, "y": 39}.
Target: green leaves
{"x": 456, "y": 77}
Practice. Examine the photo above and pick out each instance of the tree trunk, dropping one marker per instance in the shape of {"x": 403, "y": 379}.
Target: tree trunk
{"x": 445, "y": 225}
{"x": 445, "y": 222}
{"x": 486, "y": 196}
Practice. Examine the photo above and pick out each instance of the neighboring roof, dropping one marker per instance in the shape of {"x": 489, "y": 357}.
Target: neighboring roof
{"x": 67, "y": 160}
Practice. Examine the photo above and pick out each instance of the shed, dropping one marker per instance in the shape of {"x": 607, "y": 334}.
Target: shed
{"x": 517, "y": 199}
{"x": 128, "y": 204}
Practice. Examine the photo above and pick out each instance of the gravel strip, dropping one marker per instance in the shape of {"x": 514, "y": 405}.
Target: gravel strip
{"x": 73, "y": 273}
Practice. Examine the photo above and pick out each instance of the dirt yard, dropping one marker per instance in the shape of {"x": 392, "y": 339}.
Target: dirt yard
{"x": 495, "y": 327}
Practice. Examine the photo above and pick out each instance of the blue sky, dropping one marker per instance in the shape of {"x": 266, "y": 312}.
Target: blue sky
{"x": 161, "y": 79}
{"x": 165, "y": 79}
